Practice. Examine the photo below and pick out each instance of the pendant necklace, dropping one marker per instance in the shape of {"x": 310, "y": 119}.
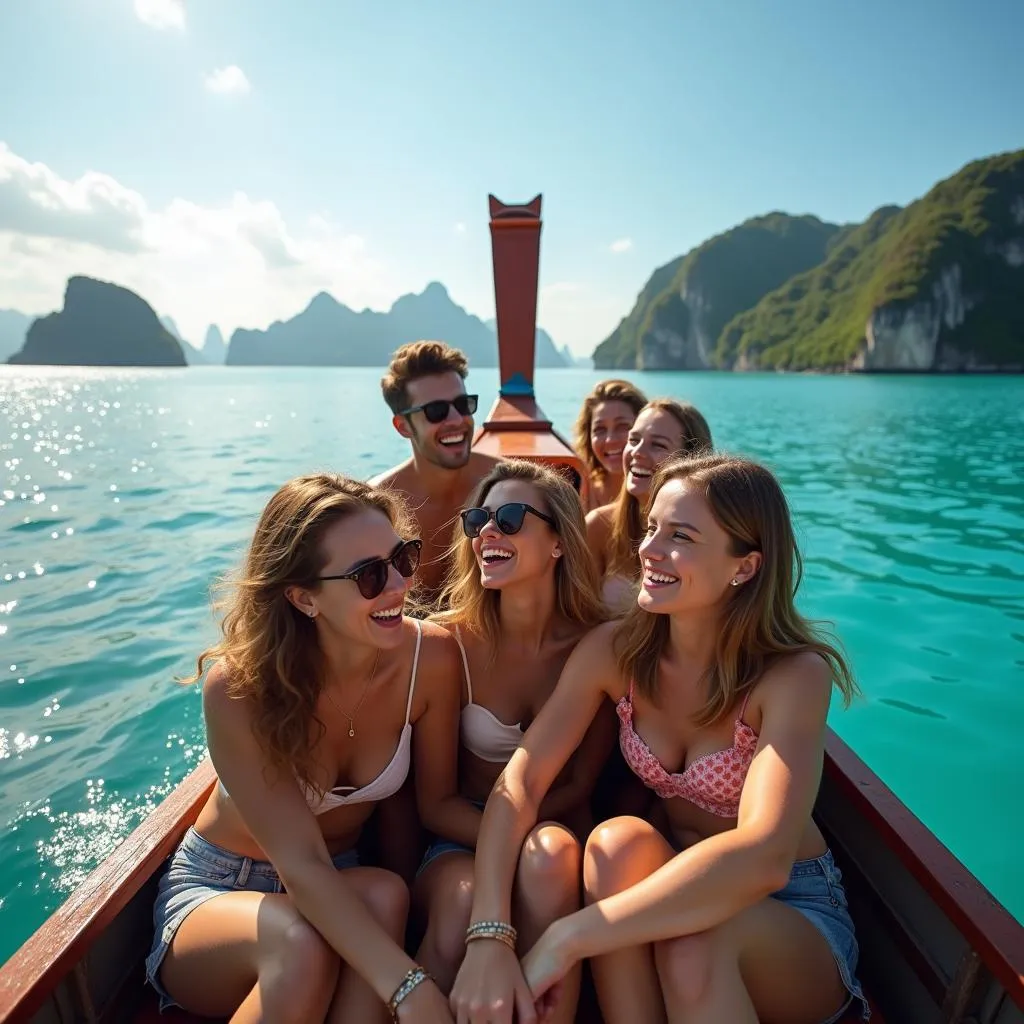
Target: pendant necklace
{"x": 355, "y": 710}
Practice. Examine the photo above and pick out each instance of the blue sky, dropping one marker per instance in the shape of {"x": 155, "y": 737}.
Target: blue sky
{"x": 229, "y": 158}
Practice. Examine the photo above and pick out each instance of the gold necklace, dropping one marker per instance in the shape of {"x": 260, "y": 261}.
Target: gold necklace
{"x": 355, "y": 710}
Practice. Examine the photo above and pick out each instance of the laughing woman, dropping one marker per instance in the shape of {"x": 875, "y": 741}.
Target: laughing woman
{"x": 315, "y": 693}
{"x": 522, "y": 594}
{"x": 737, "y": 913}
{"x": 600, "y": 435}
{"x": 663, "y": 428}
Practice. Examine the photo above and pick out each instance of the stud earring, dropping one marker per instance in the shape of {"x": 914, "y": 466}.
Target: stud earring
{"x": 312, "y": 614}
{"x": 734, "y": 583}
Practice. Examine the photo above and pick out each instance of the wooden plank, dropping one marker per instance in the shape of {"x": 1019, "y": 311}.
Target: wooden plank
{"x": 32, "y": 973}
{"x": 983, "y": 921}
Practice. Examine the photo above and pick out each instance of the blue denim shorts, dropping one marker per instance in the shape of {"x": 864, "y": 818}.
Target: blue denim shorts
{"x": 815, "y": 889}
{"x": 196, "y": 872}
{"x": 439, "y": 847}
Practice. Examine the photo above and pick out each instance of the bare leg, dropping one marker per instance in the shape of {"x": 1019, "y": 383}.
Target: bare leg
{"x": 443, "y": 895}
{"x": 620, "y": 853}
{"x": 252, "y": 957}
{"x": 387, "y": 899}
{"x": 547, "y": 888}
{"x": 766, "y": 962}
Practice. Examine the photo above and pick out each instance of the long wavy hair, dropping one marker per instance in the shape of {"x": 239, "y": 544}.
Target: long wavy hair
{"x": 759, "y": 621}
{"x": 627, "y": 521}
{"x": 613, "y": 390}
{"x": 474, "y": 607}
{"x": 268, "y": 647}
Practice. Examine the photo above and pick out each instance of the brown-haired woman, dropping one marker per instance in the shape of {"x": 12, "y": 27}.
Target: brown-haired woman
{"x": 599, "y": 436}
{"x": 521, "y": 594}
{"x": 722, "y": 689}
{"x": 663, "y": 428}
{"x": 315, "y": 692}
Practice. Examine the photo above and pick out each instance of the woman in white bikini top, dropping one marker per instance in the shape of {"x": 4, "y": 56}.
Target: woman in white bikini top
{"x": 521, "y": 594}
{"x": 316, "y": 691}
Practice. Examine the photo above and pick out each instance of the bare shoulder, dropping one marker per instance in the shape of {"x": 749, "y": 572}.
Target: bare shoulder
{"x": 221, "y": 707}
{"x": 600, "y": 519}
{"x": 481, "y": 465}
{"x": 797, "y": 682}
{"x": 593, "y": 659}
{"x": 396, "y": 477}
{"x": 439, "y": 652}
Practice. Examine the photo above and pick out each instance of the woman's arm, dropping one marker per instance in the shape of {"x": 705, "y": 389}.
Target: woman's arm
{"x": 586, "y": 766}
{"x": 276, "y": 813}
{"x": 711, "y": 881}
{"x": 589, "y": 676}
{"x": 436, "y": 741}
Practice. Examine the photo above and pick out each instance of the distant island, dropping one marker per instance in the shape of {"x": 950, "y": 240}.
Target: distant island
{"x": 329, "y": 333}
{"x": 105, "y": 325}
{"x": 101, "y": 324}
{"x": 935, "y": 287}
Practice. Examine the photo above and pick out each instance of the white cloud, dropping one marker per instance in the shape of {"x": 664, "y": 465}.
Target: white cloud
{"x": 621, "y": 245}
{"x": 237, "y": 264}
{"x": 228, "y": 80}
{"x": 161, "y": 14}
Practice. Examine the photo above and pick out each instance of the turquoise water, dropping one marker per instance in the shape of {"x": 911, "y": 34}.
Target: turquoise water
{"x": 123, "y": 493}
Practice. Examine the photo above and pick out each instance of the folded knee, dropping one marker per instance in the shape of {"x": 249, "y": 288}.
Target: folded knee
{"x": 449, "y": 919}
{"x": 686, "y": 966}
{"x": 387, "y": 898}
{"x": 619, "y": 853}
{"x": 549, "y": 866}
{"x": 301, "y": 961}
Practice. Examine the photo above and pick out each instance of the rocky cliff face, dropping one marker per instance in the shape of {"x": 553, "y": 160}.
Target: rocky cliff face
{"x": 679, "y": 315}
{"x": 101, "y": 324}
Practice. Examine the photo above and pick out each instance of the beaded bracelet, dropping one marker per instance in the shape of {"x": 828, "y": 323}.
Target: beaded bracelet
{"x": 412, "y": 978}
{"x": 492, "y": 930}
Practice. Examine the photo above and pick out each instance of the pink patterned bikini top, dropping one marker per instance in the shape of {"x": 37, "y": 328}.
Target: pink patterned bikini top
{"x": 712, "y": 781}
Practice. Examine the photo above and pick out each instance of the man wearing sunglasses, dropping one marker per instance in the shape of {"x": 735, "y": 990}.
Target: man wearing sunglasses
{"x": 425, "y": 389}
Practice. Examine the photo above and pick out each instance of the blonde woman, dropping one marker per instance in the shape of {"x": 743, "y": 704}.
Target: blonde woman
{"x": 312, "y": 701}
{"x": 663, "y": 428}
{"x": 521, "y": 594}
{"x": 599, "y": 436}
{"x": 737, "y": 912}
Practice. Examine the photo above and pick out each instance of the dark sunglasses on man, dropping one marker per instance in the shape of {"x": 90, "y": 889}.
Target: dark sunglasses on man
{"x": 372, "y": 577}
{"x": 508, "y": 518}
{"x": 437, "y": 411}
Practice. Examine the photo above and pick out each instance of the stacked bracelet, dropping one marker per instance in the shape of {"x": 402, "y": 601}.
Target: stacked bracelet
{"x": 408, "y": 983}
{"x": 492, "y": 930}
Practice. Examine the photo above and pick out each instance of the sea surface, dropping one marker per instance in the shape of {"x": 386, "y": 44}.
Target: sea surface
{"x": 124, "y": 493}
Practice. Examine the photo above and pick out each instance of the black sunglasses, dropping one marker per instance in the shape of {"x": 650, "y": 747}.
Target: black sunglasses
{"x": 437, "y": 411}
{"x": 372, "y": 576}
{"x": 508, "y": 518}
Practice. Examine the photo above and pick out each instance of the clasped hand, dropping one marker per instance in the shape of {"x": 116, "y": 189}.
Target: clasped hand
{"x": 492, "y": 987}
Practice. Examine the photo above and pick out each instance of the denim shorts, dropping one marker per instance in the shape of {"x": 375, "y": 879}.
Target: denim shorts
{"x": 815, "y": 889}
{"x": 197, "y": 872}
{"x": 439, "y": 847}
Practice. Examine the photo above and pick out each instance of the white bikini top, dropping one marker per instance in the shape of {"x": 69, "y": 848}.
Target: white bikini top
{"x": 481, "y": 732}
{"x": 391, "y": 778}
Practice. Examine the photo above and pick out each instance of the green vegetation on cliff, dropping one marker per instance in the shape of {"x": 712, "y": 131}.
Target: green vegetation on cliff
{"x": 695, "y": 296}
{"x": 939, "y": 285}
{"x": 973, "y": 221}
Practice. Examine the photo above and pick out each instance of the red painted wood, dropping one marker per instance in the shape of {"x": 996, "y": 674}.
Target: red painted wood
{"x": 515, "y": 248}
{"x": 984, "y": 922}
{"x": 35, "y": 970}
